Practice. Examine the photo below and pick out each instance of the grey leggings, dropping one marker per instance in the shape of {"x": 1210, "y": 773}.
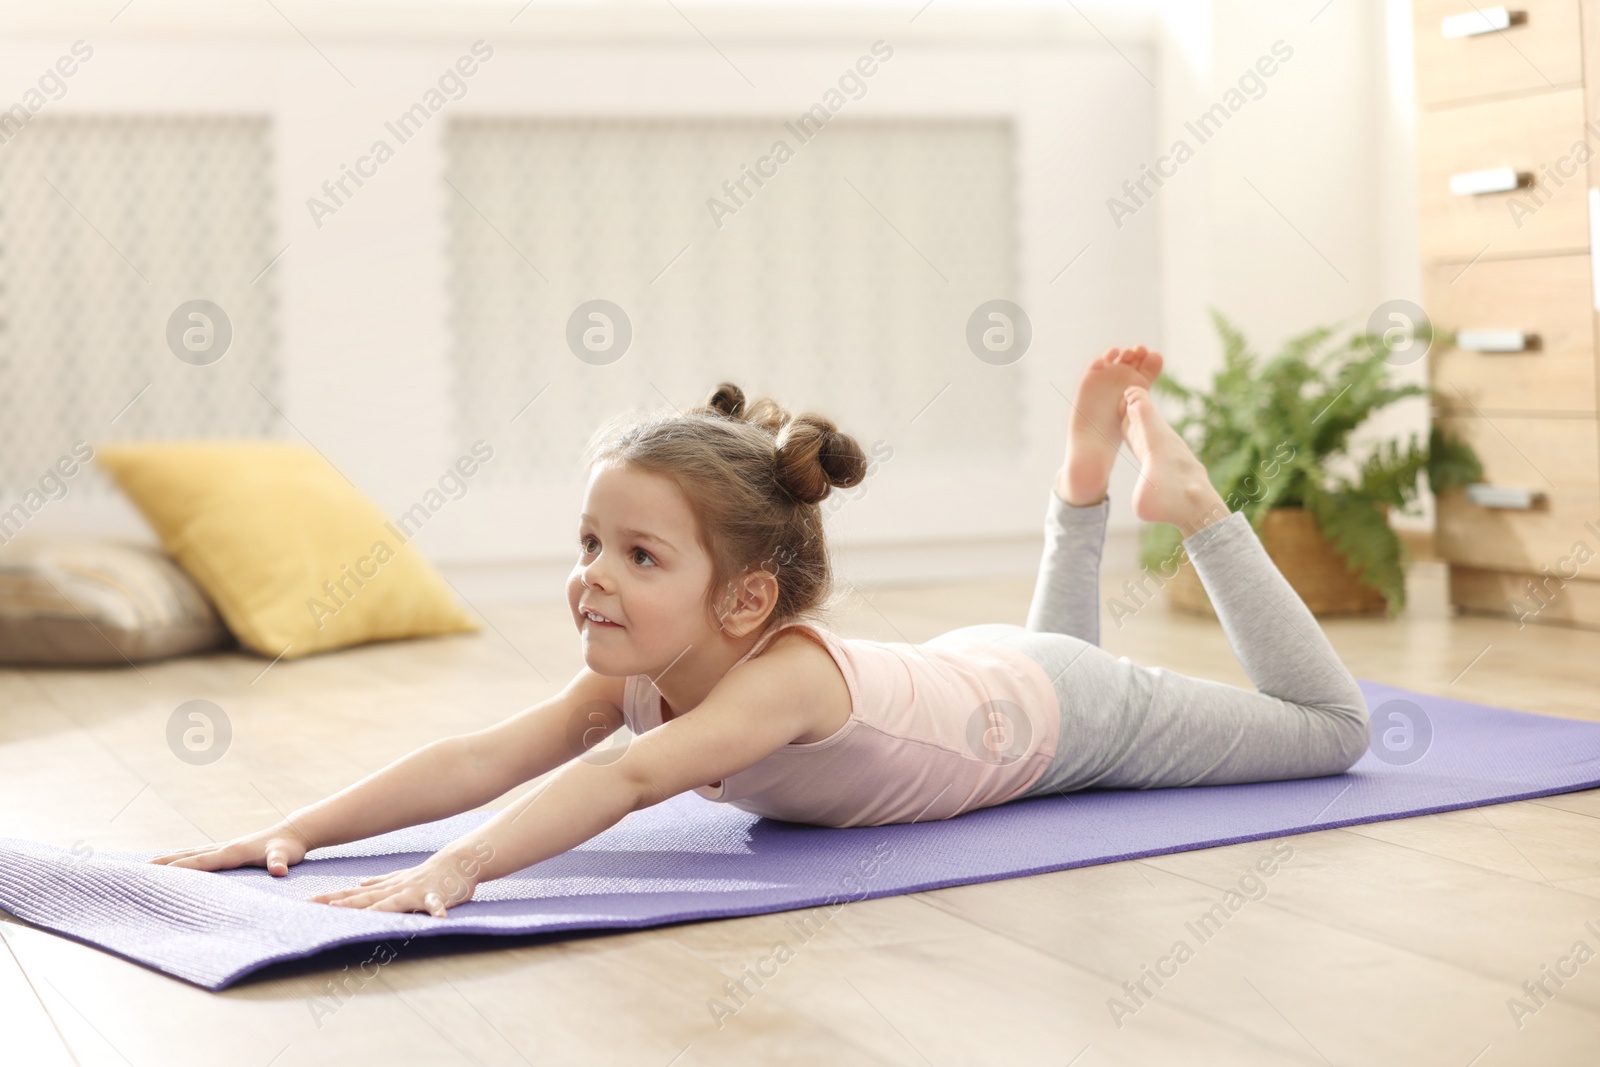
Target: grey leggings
{"x": 1127, "y": 726}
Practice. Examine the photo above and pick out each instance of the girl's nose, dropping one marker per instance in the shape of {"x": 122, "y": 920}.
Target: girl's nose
{"x": 593, "y": 574}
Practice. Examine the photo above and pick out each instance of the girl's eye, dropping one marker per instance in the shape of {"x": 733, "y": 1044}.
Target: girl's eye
{"x": 584, "y": 549}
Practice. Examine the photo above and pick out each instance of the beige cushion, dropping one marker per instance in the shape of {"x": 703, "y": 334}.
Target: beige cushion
{"x": 98, "y": 602}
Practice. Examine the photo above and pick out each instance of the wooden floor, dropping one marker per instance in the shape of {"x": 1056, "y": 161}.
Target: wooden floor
{"x": 1391, "y": 943}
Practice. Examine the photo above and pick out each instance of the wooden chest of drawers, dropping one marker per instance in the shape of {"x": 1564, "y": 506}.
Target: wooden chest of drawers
{"x": 1508, "y": 144}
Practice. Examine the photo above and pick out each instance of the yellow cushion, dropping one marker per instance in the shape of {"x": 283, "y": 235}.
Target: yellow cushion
{"x": 295, "y": 558}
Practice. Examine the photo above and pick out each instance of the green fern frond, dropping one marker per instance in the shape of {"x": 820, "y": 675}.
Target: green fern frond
{"x": 1158, "y": 543}
{"x": 1357, "y": 527}
{"x": 1452, "y": 464}
{"x": 1391, "y": 474}
{"x": 1268, "y": 432}
{"x": 1166, "y": 385}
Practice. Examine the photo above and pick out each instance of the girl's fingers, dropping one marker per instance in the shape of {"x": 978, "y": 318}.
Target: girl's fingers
{"x": 214, "y": 860}
{"x": 328, "y": 897}
{"x": 180, "y": 854}
{"x": 432, "y": 903}
{"x": 333, "y": 895}
{"x": 387, "y": 892}
{"x": 357, "y": 900}
{"x": 355, "y": 896}
{"x": 277, "y": 862}
{"x": 366, "y": 885}
{"x": 385, "y": 899}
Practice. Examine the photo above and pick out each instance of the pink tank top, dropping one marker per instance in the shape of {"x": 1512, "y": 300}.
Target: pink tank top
{"x": 935, "y": 730}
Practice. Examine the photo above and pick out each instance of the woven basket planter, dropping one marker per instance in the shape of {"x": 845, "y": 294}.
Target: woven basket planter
{"x": 1313, "y": 567}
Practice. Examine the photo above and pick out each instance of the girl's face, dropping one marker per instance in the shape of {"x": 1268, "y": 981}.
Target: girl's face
{"x": 641, "y": 566}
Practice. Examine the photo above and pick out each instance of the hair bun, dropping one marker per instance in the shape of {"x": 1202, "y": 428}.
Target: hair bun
{"x": 814, "y": 457}
{"x": 727, "y": 399}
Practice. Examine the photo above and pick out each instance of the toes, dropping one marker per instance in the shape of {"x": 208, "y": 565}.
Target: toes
{"x": 1144, "y": 361}
{"x": 1128, "y": 399}
{"x": 1136, "y": 405}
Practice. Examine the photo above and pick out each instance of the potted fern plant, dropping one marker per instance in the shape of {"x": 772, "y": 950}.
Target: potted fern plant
{"x": 1275, "y": 437}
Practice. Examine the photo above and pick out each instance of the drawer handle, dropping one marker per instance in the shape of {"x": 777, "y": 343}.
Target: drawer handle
{"x": 1493, "y": 180}
{"x": 1486, "y": 20}
{"x": 1504, "y": 497}
{"x": 1496, "y": 340}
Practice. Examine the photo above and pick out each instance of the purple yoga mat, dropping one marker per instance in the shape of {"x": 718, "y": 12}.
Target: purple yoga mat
{"x": 690, "y": 858}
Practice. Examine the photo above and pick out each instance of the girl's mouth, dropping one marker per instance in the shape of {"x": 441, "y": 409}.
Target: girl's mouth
{"x": 595, "y": 619}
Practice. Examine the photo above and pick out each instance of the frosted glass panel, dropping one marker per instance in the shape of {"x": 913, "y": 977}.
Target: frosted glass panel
{"x": 842, "y": 283}
{"x": 108, "y": 226}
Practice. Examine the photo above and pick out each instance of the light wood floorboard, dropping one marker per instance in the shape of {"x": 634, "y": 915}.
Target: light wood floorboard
{"x": 1387, "y": 943}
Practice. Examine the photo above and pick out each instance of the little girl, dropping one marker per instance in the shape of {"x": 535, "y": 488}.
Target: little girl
{"x": 701, "y": 563}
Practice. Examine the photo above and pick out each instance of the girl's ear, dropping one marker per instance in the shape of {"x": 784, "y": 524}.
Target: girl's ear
{"x": 749, "y": 601}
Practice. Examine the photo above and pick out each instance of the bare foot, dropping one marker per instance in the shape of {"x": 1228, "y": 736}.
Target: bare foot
{"x": 1096, "y": 427}
{"x": 1173, "y": 485}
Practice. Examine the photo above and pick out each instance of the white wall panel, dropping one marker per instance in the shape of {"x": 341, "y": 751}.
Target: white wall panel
{"x": 808, "y": 291}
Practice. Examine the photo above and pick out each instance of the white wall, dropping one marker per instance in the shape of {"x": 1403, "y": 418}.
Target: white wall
{"x": 363, "y": 296}
{"x": 1329, "y": 230}
{"x": 1095, "y": 90}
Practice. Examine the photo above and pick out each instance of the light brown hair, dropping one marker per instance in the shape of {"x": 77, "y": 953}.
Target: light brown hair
{"x": 753, "y": 476}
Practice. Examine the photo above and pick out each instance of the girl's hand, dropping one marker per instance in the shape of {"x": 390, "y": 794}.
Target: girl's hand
{"x": 434, "y": 886}
{"x": 277, "y": 849}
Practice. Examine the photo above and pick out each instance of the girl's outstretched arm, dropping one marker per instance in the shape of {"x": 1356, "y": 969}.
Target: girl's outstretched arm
{"x": 440, "y": 779}
{"x": 757, "y": 708}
